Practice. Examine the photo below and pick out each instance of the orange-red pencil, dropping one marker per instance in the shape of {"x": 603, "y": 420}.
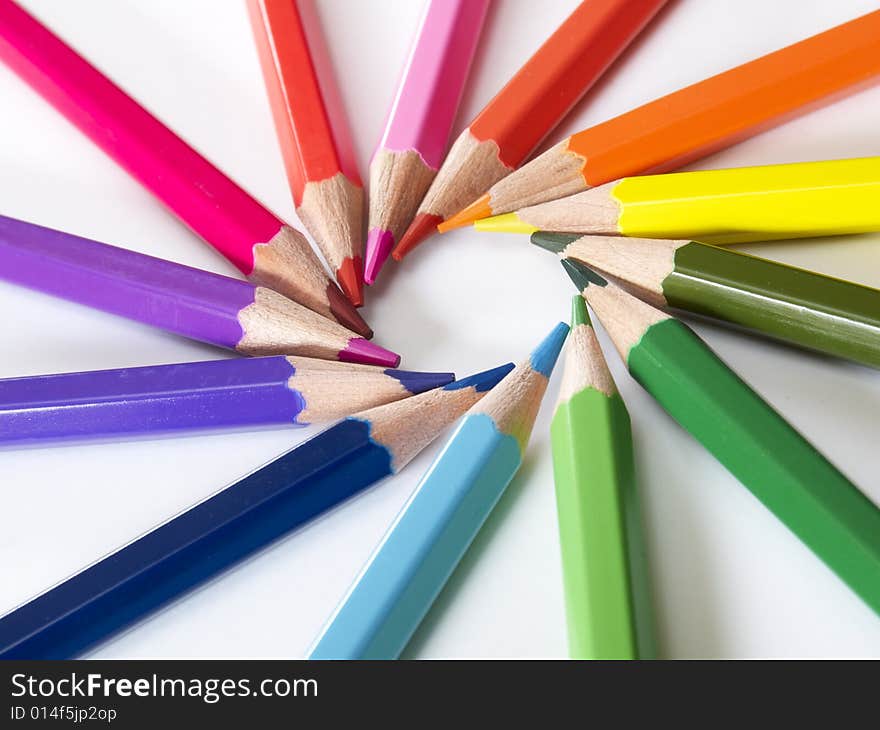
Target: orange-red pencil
{"x": 534, "y": 101}
{"x": 313, "y": 133}
{"x": 695, "y": 121}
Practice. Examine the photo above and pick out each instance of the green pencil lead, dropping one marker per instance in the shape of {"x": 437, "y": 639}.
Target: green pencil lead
{"x": 554, "y": 242}
{"x": 579, "y": 314}
{"x": 581, "y": 275}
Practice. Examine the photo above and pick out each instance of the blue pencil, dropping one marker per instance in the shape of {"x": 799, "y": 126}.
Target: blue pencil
{"x": 437, "y": 525}
{"x": 231, "y": 525}
{"x": 197, "y": 396}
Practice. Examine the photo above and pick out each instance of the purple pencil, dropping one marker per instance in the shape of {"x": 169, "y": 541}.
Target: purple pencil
{"x": 197, "y": 396}
{"x": 217, "y": 309}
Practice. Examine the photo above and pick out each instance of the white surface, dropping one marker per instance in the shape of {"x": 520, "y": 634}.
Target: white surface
{"x": 730, "y": 580}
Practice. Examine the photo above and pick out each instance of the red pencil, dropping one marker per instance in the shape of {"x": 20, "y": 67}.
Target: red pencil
{"x": 313, "y": 133}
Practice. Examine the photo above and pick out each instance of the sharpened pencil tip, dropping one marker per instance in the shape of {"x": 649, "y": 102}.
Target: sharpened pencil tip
{"x": 416, "y": 382}
{"x": 504, "y": 223}
{"x": 351, "y": 280}
{"x": 345, "y": 313}
{"x": 378, "y": 246}
{"x": 483, "y": 381}
{"x": 581, "y": 275}
{"x": 544, "y": 356}
{"x": 423, "y": 225}
{"x": 579, "y": 314}
{"x": 480, "y": 208}
{"x": 368, "y": 353}
{"x": 553, "y": 242}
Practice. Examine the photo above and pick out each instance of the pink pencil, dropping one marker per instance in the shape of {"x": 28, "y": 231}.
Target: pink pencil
{"x": 262, "y": 246}
{"x": 417, "y": 132}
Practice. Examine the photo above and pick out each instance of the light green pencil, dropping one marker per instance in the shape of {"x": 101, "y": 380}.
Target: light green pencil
{"x": 607, "y": 596}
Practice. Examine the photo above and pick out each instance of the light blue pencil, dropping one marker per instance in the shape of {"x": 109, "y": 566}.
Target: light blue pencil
{"x": 433, "y": 531}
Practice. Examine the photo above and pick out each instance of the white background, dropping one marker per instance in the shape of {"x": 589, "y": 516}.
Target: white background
{"x": 730, "y": 581}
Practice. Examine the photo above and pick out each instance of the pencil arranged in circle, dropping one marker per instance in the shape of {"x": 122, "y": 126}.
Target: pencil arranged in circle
{"x": 234, "y": 523}
{"x": 530, "y": 105}
{"x": 799, "y": 200}
{"x": 263, "y": 247}
{"x": 605, "y": 574}
{"x": 759, "y": 447}
{"x": 434, "y": 529}
{"x": 196, "y": 396}
{"x": 231, "y": 313}
{"x": 794, "y": 305}
{"x": 313, "y": 134}
{"x": 419, "y": 121}
{"x": 697, "y": 120}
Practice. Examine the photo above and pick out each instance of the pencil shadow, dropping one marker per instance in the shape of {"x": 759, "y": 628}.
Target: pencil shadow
{"x": 474, "y": 554}
{"x": 681, "y": 573}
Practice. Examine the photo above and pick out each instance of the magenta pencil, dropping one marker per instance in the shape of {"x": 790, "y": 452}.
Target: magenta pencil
{"x": 419, "y": 122}
{"x": 263, "y": 247}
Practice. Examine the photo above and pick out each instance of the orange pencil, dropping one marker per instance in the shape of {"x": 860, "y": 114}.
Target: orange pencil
{"x": 697, "y": 120}
{"x": 313, "y": 133}
{"x": 529, "y": 106}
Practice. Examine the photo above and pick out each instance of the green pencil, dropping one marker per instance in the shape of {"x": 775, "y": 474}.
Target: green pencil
{"x": 798, "y": 306}
{"x": 781, "y": 468}
{"x": 607, "y": 598}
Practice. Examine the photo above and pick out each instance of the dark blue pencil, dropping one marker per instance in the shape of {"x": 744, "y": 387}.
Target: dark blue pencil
{"x": 231, "y": 525}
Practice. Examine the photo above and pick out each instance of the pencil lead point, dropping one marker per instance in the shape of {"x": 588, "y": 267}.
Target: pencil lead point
{"x": 553, "y": 242}
{"x": 478, "y": 209}
{"x": 579, "y": 314}
{"x": 423, "y": 225}
{"x": 345, "y": 313}
{"x": 378, "y": 246}
{"x": 483, "y": 381}
{"x": 544, "y": 356}
{"x": 581, "y": 275}
{"x": 418, "y": 382}
{"x": 350, "y": 278}
{"x": 504, "y": 223}
{"x": 368, "y": 353}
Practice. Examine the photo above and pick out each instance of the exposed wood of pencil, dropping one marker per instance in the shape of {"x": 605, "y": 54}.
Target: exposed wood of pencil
{"x": 313, "y": 133}
{"x": 806, "y": 492}
{"x": 202, "y": 196}
{"x": 538, "y": 96}
{"x": 798, "y": 306}
{"x": 697, "y": 120}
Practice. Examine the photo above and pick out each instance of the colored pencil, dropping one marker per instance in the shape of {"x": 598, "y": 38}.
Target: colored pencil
{"x": 760, "y": 448}
{"x": 313, "y": 134}
{"x": 529, "y": 106}
{"x": 793, "y": 305}
{"x": 607, "y": 593}
{"x": 263, "y": 247}
{"x": 434, "y": 529}
{"x": 800, "y": 200}
{"x": 197, "y": 396}
{"x": 697, "y": 120}
{"x": 419, "y": 122}
{"x": 217, "y": 309}
{"x": 234, "y": 523}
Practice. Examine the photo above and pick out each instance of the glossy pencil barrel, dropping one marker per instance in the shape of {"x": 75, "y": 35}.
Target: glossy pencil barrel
{"x": 424, "y": 545}
{"x": 197, "y": 396}
{"x": 196, "y": 545}
{"x": 793, "y": 480}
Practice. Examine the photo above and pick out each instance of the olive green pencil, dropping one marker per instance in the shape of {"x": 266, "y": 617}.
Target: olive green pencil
{"x": 759, "y": 447}
{"x": 801, "y": 307}
{"x": 607, "y": 596}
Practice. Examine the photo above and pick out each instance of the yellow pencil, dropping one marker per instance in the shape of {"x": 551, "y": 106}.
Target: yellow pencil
{"x": 798, "y": 200}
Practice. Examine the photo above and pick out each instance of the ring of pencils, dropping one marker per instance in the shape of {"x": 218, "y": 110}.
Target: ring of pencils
{"x": 634, "y": 245}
